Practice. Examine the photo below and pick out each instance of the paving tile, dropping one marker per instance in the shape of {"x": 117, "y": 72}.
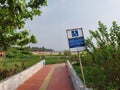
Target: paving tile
{"x": 36, "y": 80}
{"x": 58, "y": 80}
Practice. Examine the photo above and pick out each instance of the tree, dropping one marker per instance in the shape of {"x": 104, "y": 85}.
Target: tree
{"x": 13, "y": 14}
{"x": 33, "y": 39}
{"x": 25, "y": 39}
{"x": 105, "y": 56}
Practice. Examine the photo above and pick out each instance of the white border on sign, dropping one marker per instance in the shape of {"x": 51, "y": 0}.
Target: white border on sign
{"x": 77, "y": 49}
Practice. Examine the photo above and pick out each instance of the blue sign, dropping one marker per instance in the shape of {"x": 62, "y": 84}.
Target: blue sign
{"x": 76, "y": 39}
{"x": 75, "y": 33}
{"x": 76, "y": 42}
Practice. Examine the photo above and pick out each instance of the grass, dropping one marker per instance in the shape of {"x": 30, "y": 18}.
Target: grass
{"x": 96, "y": 77}
{"x": 18, "y": 59}
{"x": 9, "y": 63}
{"x": 55, "y": 59}
{"x": 12, "y": 65}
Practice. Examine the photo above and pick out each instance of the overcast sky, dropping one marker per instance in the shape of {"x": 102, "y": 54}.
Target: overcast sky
{"x": 59, "y": 15}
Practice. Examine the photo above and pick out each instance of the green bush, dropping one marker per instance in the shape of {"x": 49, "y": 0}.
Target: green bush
{"x": 101, "y": 62}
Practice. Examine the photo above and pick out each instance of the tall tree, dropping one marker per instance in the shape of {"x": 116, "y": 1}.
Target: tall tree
{"x": 13, "y": 14}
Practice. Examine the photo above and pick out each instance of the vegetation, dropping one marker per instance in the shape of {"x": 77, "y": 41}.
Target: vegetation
{"x": 101, "y": 61}
{"x": 13, "y": 14}
{"x": 55, "y": 59}
{"x": 67, "y": 53}
{"x": 40, "y": 49}
{"x": 16, "y": 60}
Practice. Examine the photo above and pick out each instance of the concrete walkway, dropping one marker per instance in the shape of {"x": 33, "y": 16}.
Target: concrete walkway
{"x": 50, "y": 77}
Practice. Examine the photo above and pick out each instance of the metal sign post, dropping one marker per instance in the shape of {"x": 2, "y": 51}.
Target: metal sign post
{"x": 77, "y": 44}
{"x": 81, "y": 67}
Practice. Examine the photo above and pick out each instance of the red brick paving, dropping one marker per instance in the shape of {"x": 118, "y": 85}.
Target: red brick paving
{"x": 60, "y": 79}
{"x": 36, "y": 80}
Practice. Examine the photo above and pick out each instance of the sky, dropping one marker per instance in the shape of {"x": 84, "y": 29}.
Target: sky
{"x": 60, "y": 15}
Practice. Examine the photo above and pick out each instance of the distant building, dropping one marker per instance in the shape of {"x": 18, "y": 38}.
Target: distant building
{"x": 45, "y": 52}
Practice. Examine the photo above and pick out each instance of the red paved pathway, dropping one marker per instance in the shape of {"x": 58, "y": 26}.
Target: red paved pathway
{"x": 59, "y": 79}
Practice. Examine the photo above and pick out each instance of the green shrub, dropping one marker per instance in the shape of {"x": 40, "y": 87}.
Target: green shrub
{"x": 101, "y": 62}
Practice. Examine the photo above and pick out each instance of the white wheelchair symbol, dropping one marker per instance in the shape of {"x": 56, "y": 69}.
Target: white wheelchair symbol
{"x": 75, "y": 33}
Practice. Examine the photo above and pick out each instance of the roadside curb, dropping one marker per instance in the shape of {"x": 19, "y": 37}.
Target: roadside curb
{"x": 76, "y": 81}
